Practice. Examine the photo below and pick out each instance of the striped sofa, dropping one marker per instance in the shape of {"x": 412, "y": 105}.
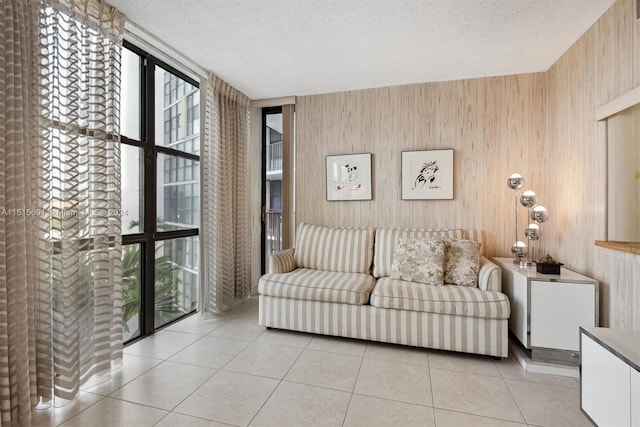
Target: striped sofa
{"x": 336, "y": 282}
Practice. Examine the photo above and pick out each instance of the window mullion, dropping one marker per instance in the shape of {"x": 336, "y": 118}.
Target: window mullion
{"x": 170, "y": 209}
{"x": 148, "y": 100}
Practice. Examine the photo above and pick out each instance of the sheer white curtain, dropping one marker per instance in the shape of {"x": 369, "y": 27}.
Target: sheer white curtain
{"x": 226, "y": 197}
{"x": 60, "y": 245}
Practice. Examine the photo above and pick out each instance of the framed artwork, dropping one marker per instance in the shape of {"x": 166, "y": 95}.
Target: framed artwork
{"x": 427, "y": 175}
{"x": 349, "y": 177}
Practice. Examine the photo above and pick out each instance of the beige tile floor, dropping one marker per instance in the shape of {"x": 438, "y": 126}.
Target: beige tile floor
{"x": 229, "y": 371}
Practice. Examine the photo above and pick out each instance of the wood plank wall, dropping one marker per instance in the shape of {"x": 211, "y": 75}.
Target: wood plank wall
{"x": 603, "y": 64}
{"x": 540, "y": 125}
{"x": 492, "y": 124}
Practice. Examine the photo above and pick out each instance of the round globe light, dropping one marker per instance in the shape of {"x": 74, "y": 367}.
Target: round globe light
{"x": 539, "y": 214}
{"x": 528, "y": 199}
{"x": 532, "y": 232}
{"x": 515, "y": 181}
{"x": 518, "y": 247}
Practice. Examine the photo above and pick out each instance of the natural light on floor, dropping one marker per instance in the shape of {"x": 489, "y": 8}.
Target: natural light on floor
{"x": 228, "y": 370}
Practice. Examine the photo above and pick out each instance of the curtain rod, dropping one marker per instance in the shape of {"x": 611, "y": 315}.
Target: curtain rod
{"x": 147, "y": 41}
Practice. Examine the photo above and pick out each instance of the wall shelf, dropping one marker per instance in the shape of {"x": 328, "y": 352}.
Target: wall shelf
{"x": 631, "y": 247}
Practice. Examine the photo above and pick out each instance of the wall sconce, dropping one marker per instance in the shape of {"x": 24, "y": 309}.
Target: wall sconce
{"x": 536, "y": 213}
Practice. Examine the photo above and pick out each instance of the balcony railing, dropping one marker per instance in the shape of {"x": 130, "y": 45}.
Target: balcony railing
{"x": 273, "y": 232}
{"x": 274, "y": 157}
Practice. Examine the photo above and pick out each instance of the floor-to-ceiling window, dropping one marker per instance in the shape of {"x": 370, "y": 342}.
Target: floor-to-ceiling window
{"x": 160, "y": 147}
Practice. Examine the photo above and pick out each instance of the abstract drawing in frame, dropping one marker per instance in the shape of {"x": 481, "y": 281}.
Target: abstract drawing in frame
{"x": 427, "y": 175}
{"x": 349, "y": 177}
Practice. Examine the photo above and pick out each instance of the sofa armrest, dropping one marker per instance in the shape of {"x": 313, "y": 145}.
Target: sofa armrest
{"x": 282, "y": 262}
{"x": 490, "y": 277}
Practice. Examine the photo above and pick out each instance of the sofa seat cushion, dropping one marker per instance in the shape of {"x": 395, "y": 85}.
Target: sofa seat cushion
{"x": 318, "y": 285}
{"x": 447, "y": 299}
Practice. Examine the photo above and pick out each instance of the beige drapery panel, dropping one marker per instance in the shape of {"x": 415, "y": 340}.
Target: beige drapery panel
{"x": 26, "y": 373}
{"x": 60, "y": 245}
{"x": 226, "y": 197}
{"x": 288, "y": 178}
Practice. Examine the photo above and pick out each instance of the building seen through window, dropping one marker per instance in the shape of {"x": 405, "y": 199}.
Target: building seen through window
{"x": 178, "y": 180}
{"x": 160, "y": 148}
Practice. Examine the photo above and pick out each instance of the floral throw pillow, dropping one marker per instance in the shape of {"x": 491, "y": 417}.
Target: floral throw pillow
{"x": 462, "y": 262}
{"x": 419, "y": 260}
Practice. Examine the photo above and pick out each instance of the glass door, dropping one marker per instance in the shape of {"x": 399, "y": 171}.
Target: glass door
{"x": 272, "y": 133}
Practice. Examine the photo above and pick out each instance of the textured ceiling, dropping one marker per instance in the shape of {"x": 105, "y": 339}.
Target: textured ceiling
{"x": 274, "y": 48}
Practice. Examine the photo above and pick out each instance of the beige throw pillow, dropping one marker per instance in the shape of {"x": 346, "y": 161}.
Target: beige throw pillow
{"x": 419, "y": 260}
{"x": 462, "y": 262}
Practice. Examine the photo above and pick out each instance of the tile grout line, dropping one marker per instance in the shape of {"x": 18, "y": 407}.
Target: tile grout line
{"x": 465, "y": 372}
{"x": 515, "y": 401}
{"x": 541, "y": 383}
{"x": 173, "y": 354}
{"x": 194, "y": 416}
{"x": 133, "y": 379}
{"x": 201, "y": 336}
{"x": 538, "y": 382}
{"x": 303, "y": 349}
{"x": 159, "y": 364}
{"x": 109, "y": 395}
{"x": 161, "y": 361}
{"x": 217, "y": 369}
{"x": 120, "y": 400}
{"x": 433, "y": 400}
{"x": 64, "y": 420}
{"x": 404, "y": 402}
{"x": 280, "y": 380}
{"x": 353, "y": 389}
{"x": 196, "y": 389}
{"x": 173, "y": 411}
{"x": 247, "y": 344}
{"x": 138, "y": 404}
{"x": 160, "y": 420}
{"x": 103, "y": 396}
{"x": 481, "y": 416}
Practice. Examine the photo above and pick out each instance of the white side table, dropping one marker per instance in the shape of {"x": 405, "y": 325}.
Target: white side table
{"x": 546, "y": 313}
{"x": 610, "y": 380}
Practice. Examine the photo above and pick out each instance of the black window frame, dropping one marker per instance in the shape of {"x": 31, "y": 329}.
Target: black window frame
{"x": 150, "y": 235}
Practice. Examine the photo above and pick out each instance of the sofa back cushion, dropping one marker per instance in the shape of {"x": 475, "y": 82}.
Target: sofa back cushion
{"x": 475, "y": 235}
{"x": 347, "y": 250}
{"x": 387, "y": 238}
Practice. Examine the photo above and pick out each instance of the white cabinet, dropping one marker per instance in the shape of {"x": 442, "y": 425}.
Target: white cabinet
{"x": 557, "y": 310}
{"x": 548, "y": 309}
{"x": 635, "y": 396}
{"x": 610, "y": 378}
